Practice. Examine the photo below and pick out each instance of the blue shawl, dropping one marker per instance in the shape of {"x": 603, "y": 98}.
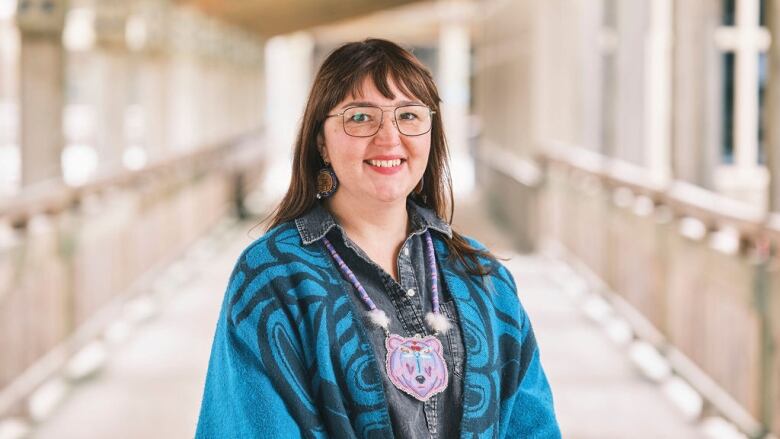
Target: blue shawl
{"x": 291, "y": 357}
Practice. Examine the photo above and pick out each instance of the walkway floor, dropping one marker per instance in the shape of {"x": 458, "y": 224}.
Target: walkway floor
{"x": 151, "y": 384}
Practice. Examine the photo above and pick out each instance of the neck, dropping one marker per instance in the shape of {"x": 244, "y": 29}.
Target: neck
{"x": 371, "y": 222}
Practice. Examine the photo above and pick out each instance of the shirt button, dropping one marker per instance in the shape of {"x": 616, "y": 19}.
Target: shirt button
{"x": 406, "y": 251}
{"x": 410, "y": 292}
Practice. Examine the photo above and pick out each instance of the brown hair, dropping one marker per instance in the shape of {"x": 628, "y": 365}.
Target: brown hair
{"x": 342, "y": 74}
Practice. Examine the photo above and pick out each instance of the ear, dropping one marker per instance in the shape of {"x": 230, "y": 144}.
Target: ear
{"x": 323, "y": 150}
{"x": 434, "y": 343}
{"x": 393, "y": 342}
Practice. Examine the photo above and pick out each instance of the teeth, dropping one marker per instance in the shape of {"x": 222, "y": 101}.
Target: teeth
{"x": 385, "y": 163}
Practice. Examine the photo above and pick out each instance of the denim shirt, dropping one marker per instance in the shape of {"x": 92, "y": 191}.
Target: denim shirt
{"x": 406, "y": 302}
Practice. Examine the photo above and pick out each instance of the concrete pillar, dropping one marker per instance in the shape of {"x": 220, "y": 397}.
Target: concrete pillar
{"x": 182, "y": 82}
{"x": 256, "y": 95}
{"x": 152, "y": 91}
{"x": 225, "y": 83}
{"x": 553, "y": 60}
{"x": 41, "y": 89}
{"x": 114, "y": 64}
{"x": 245, "y": 90}
{"x": 251, "y": 92}
{"x": 632, "y": 27}
{"x": 238, "y": 89}
{"x": 289, "y": 75}
{"x": 211, "y": 62}
{"x": 10, "y": 163}
{"x": 657, "y": 91}
{"x": 152, "y": 18}
{"x": 231, "y": 85}
{"x": 772, "y": 113}
{"x": 453, "y": 82}
{"x": 591, "y": 84}
{"x": 695, "y": 105}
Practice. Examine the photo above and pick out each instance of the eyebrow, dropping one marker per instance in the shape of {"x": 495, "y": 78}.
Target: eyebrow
{"x": 373, "y": 104}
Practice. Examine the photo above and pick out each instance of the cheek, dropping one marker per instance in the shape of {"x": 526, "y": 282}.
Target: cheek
{"x": 422, "y": 154}
{"x": 424, "y": 146}
{"x": 342, "y": 150}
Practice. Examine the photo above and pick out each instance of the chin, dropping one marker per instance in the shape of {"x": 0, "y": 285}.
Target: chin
{"x": 390, "y": 196}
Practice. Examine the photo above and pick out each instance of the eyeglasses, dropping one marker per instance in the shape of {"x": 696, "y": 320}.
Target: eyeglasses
{"x": 365, "y": 121}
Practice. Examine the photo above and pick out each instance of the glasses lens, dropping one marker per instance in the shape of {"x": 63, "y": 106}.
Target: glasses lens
{"x": 413, "y": 120}
{"x": 362, "y": 121}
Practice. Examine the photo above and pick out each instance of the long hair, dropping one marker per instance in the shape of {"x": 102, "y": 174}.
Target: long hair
{"x": 342, "y": 74}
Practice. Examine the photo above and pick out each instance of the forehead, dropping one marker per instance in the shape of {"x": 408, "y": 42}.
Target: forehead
{"x": 368, "y": 91}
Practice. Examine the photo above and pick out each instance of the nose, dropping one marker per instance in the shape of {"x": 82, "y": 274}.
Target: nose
{"x": 388, "y": 131}
{"x": 420, "y": 379}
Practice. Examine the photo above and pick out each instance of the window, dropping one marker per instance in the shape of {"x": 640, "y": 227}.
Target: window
{"x": 743, "y": 41}
{"x": 727, "y": 107}
{"x": 729, "y": 13}
{"x": 763, "y": 71}
{"x": 608, "y": 43}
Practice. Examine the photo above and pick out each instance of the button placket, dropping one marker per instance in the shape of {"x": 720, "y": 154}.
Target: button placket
{"x": 405, "y": 312}
{"x": 407, "y": 277}
{"x": 410, "y": 282}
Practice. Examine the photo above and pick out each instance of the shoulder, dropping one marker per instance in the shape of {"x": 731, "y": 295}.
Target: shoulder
{"x": 276, "y": 257}
{"x": 473, "y": 242}
{"x": 276, "y": 245}
{"x": 274, "y": 270}
{"x": 498, "y": 271}
{"x": 488, "y": 299}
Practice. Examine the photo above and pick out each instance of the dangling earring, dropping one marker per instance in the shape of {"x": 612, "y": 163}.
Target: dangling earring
{"x": 327, "y": 183}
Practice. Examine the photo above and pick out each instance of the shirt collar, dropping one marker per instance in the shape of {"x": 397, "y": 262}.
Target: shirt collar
{"x": 317, "y": 222}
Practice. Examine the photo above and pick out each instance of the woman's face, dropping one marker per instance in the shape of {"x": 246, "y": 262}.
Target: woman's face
{"x": 361, "y": 163}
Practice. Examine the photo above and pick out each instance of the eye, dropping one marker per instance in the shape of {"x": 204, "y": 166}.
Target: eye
{"x": 408, "y": 116}
{"x": 360, "y": 117}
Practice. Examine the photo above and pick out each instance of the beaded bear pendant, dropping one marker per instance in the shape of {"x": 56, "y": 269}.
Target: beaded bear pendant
{"x": 416, "y": 365}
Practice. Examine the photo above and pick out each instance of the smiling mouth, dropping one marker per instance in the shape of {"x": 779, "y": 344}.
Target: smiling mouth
{"x": 385, "y": 163}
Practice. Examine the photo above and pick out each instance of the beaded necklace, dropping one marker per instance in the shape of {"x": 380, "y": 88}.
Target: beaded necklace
{"x": 415, "y": 365}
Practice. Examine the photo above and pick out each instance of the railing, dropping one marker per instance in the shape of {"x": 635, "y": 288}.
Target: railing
{"x": 68, "y": 254}
{"x": 697, "y": 270}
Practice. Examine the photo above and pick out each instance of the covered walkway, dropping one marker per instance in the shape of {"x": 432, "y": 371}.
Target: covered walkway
{"x": 624, "y": 155}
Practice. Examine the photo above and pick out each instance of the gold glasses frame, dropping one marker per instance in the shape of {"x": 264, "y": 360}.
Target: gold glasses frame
{"x": 382, "y": 121}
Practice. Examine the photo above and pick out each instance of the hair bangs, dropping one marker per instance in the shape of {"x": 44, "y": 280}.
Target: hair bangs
{"x": 408, "y": 75}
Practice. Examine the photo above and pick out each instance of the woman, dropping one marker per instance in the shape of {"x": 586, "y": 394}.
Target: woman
{"x": 361, "y": 313}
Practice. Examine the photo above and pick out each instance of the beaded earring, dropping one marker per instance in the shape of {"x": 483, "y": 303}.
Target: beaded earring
{"x": 327, "y": 182}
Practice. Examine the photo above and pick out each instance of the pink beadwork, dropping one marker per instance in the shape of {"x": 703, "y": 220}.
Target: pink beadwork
{"x": 416, "y": 365}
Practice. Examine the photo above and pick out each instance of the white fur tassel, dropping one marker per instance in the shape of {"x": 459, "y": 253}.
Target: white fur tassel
{"x": 438, "y": 322}
{"x": 379, "y": 318}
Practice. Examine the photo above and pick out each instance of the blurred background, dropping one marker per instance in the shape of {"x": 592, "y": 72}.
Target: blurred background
{"x": 624, "y": 155}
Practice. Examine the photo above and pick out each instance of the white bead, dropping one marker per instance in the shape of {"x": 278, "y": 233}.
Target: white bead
{"x": 379, "y": 318}
{"x": 410, "y": 292}
{"x": 438, "y": 322}
{"x": 406, "y": 250}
